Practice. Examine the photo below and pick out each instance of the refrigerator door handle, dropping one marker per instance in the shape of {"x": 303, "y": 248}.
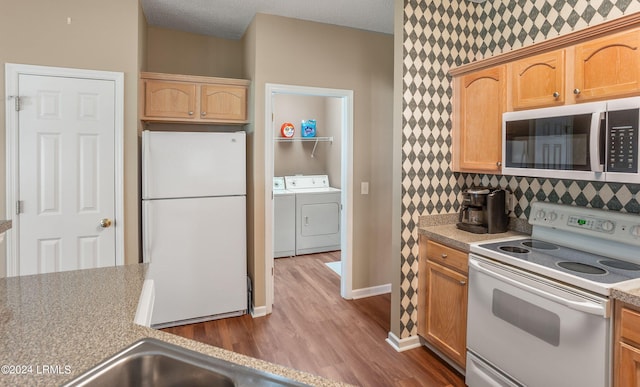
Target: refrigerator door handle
{"x": 145, "y": 162}
{"x": 146, "y": 235}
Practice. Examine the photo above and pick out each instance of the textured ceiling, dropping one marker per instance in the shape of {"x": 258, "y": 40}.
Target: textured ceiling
{"x": 230, "y": 18}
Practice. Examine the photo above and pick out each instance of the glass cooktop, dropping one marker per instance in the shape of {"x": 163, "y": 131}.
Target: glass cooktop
{"x": 572, "y": 262}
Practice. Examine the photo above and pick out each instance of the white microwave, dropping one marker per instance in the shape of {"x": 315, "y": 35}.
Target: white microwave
{"x": 590, "y": 141}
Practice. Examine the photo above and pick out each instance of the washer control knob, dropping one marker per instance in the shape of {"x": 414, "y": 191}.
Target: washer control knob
{"x": 541, "y": 214}
{"x": 608, "y": 226}
{"x": 552, "y": 216}
{"x": 635, "y": 231}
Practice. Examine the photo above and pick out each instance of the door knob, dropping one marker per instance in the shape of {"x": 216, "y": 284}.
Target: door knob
{"x": 105, "y": 222}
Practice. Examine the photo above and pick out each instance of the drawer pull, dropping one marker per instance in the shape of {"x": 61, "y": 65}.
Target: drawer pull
{"x": 463, "y": 282}
{"x": 444, "y": 255}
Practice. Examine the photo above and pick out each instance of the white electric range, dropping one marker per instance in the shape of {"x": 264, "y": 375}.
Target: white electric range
{"x": 539, "y": 307}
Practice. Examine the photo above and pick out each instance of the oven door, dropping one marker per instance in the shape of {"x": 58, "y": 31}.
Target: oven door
{"x": 534, "y": 331}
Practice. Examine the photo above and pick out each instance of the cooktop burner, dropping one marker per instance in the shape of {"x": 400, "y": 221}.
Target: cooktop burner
{"x": 581, "y": 267}
{"x": 514, "y": 249}
{"x": 620, "y": 265}
{"x": 539, "y": 245}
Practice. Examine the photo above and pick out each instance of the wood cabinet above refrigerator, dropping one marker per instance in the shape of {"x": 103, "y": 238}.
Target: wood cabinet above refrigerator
{"x": 192, "y": 99}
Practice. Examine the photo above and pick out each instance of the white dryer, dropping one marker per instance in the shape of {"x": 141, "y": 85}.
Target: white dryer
{"x": 284, "y": 220}
{"x": 318, "y": 207}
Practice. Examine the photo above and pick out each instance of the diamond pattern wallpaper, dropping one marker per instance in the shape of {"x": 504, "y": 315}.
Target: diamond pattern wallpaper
{"x": 439, "y": 35}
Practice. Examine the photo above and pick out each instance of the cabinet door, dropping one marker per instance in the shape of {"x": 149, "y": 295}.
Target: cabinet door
{"x": 168, "y": 99}
{"x": 608, "y": 67}
{"x": 223, "y": 102}
{"x": 629, "y": 366}
{"x": 446, "y": 318}
{"x": 538, "y": 81}
{"x": 482, "y": 102}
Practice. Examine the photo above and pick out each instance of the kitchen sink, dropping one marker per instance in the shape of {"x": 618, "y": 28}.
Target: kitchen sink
{"x": 151, "y": 362}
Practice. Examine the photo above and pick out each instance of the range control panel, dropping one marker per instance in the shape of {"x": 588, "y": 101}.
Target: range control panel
{"x": 610, "y": 225}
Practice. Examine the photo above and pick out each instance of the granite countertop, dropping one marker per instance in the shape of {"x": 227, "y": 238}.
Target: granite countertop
{"x": 442, "y": 229}
{"x": 76, "y": 319}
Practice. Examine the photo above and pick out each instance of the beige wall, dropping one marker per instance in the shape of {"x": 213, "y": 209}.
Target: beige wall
{"x": 329, "y": 56}
{"x": 294, "y": 158}
{"x": 255, "y": 271}
{"x": 103, "y": 35}
{"x": 177, "y": 52}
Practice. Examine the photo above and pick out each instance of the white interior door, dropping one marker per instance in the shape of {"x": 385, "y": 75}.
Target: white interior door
{"x": 66, "y": 173}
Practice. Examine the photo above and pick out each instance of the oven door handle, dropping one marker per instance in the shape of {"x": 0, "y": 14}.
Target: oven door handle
{"x": 584, "y": 306}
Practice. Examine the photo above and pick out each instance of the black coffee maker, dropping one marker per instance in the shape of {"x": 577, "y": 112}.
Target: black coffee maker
{"x": 483, "y": 211}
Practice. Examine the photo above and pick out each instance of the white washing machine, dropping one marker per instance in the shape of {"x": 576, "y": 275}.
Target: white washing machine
{"x": 284, "y": 220}
{"x": 318, "y": 207}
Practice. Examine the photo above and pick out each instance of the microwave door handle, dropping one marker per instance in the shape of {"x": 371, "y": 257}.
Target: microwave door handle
{"x": 595, "y": 145}
{"x": 585, "y": 306}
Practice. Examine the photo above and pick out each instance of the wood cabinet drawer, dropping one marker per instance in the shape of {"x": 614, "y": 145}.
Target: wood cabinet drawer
{"x": 447, "y": 256}
{"x": 630, "y": 325}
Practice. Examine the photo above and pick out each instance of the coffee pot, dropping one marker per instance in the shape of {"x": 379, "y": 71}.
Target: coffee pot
{"x": 483, "y": 211}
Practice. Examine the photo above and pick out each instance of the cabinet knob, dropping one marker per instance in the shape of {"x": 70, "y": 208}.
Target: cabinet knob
{"x": 576, "y": 91}
{"x": 499, "y": 164}
{"x": 463, "y": 282}
{"x": 556, "y": 94}
{"x": 203, "y": 114}
{"x": 443, "y": 255}
{"x": 190, "y": 113}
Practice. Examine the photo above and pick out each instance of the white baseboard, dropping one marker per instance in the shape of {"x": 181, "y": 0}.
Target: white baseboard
{"x": 258, "y": 311}
{"x": 405, "y": 344}
{"x": 370, "y": 292}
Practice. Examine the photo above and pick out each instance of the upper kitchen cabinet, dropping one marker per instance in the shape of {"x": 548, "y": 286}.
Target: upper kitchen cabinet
{"x": 477, "y": 123}
{"x": 607, "y": 67}
{"x": 192, "y": 99}
{"x": 538, "y": 81}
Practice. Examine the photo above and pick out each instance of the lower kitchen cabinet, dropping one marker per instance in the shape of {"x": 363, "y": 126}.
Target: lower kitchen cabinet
{"x": 626, "y": 364}
{"x": 442, "y": 299}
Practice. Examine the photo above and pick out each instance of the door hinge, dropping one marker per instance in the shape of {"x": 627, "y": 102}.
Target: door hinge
{"x": 19, "y": 207}
{"x": 16, "y": 102}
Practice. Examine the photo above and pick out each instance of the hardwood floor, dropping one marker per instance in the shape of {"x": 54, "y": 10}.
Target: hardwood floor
{"x": 315, "y": 330}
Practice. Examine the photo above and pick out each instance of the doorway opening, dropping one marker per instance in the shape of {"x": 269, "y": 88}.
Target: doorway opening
{"x": 334, "y": 150}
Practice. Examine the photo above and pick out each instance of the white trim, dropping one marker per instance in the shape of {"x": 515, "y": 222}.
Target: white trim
{"x": 259, "y": 311}
{"x": 12, "y": 72}
{"x": 145, "y": 304}
{"x": 346, "y": 182}
{"x": 402, "y": 345}
{"x": 370, "y": 292}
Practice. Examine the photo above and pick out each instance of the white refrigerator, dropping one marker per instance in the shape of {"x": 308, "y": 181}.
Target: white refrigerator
{"x": 194, "y": 225}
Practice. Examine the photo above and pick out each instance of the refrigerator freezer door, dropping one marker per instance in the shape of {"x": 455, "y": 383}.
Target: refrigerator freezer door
{"x": 197, "y": 251}
{"x": 192, "y": 164}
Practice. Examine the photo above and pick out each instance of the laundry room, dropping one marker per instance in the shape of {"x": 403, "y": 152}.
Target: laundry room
{"x": 307, "y": 176}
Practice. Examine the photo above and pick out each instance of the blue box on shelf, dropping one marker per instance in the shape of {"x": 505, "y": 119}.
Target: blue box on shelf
{"x": 308, "y": 128}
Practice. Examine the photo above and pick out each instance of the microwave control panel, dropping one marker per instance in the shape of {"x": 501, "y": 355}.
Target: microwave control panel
{"x": 622, "y": 155}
